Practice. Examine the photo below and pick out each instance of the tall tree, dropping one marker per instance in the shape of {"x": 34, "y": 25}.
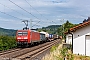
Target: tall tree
{"x": 65, "y": 28}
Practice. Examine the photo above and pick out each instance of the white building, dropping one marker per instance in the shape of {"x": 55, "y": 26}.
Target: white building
{"x": 81, "y": 38}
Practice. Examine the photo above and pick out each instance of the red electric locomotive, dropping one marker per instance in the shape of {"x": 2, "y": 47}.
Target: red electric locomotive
{"x": 27, "y": 37}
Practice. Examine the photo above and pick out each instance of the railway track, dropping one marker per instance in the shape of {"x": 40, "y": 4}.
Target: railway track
{"x": 34, "y": 53}
{"x": 28, "y": 53}
{"x": 9, "y": 51}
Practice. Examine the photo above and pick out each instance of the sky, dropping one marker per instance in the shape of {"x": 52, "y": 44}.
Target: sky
{"x": 42, "y": 13}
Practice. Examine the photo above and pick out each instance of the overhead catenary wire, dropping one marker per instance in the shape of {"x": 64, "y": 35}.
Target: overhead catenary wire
{"x": 36, "y": 24}
{"x": 27, "y": 11}
{"x": 54, "y": 22}
{"x": 24, "y": 10}
{"x": 35, "y": 9}
{"x": 10, "y": 15}
{"x": 11, "y": 9}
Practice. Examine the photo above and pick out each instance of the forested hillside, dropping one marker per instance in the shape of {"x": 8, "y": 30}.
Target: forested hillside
{"x": 9, "y": 32}
{"x": 52, "y": 29}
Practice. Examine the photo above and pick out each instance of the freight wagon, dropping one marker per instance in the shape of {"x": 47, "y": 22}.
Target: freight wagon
{"x": 51, "y": 37}
{"x": 46, "y": 35}
{"x": 55, "y": 36}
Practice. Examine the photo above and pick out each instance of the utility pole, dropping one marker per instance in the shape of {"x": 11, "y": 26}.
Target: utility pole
{"x": 62, "y": 27}
{"x": 30, "y": 23}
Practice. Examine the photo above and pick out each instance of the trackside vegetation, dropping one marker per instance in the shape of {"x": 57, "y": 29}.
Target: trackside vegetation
{"x": 60, "y": 53}
{"x": 7, "y": 42}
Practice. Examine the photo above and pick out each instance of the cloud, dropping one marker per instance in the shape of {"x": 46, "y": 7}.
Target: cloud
{"x": 44, "y": 11}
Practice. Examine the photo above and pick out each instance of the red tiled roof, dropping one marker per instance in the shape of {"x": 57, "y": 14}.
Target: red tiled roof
{"x": 73, "y": 29}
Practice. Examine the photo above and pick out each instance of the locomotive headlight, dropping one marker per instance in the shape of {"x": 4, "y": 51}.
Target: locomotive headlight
{"x": 25, "y": 38}
{"x": 18, "y": 38}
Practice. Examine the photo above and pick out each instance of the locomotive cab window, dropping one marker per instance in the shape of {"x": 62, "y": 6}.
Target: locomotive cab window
{"x": 25, "y": 33}
{"x": 22, "y": 33}
{"x": 19, "y": 33}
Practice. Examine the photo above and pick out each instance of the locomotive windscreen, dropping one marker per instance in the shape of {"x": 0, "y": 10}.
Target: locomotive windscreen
{"x": 22, "y": 33}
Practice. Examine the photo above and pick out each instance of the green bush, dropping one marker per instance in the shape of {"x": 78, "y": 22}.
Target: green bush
{"x": 7, "y": 42}
{"x": 53, "y": 48}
